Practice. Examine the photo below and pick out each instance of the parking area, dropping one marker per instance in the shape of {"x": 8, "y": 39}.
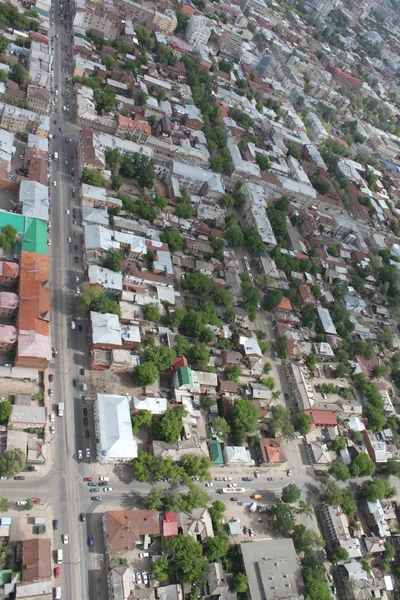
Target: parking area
{"x": 140, "y": 560}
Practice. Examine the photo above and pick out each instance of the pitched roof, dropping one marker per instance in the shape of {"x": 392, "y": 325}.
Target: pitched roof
{"x": 285, "y": 304}
{"x": 36, "y": 559}
{"x": 125, "y": 527}
{"x": 272, "y": 450}
{"x": 216, "y": 452}
{"x": 170, "y": 524}
{"x": 185, "y": 376}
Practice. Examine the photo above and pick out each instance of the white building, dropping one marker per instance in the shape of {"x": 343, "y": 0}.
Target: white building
{"x": 197, "y": 31}
{"x": 255, "y": 213}
{"x": 114, "y": 437}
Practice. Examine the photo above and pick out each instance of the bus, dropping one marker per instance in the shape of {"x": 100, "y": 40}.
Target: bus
{"x": 236, "y": 490}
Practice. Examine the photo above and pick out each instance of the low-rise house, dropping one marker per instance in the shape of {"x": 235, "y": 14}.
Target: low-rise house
{"x": 8, "y": 304}
{"x": 170, "y": 592}
{"x": 38, "y": 589}
{"x": 179, "y": 449}
{"x": 271, "y": 451}
{"x": 169, "y": 524}
{"x": 197, "y": 524}
{"x": 37, "y": 452}
{"x": 216, "y": 452}
{"x": 36, "y": 560}
{"x": 229, "y": 388}
{"x": 230, "y": 358}
{"x": 106, "y": 331}
{"x": 375, "y": 518}
{"x": 306, "y": 295}
{"x": 24, "y": 416}
{"x": 217, "y": 585}
{"x": 9, "y": 273}
{"x": 157, "y": 406}
{"x": 251, "y": 350}
{"x": 322, "y": 418}
{"x": 114, "y": 438}
{"x": 319, "y": 454}
{"x": 377, "y": 449}
{"x": 38, "y": 99}
{"x": 109, "y": 280}
{"x": 120, "y": 582}
{"x": 98, "y": 197}
{"x": 237, "y": 455}
{"x": 124, "y": 529}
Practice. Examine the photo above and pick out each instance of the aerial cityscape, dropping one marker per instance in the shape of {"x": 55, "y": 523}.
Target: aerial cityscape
{"x": 199, "y": 300}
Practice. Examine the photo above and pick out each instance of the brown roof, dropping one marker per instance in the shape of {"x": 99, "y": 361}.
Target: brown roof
{"x": 36, "y": 559}
{"x": 125, "y": 527}
{"x": 35, "y": 295}
{"x": 39, "y": 93}
{"x": 228, "y": 387}
{"x": 272, "y": 450}
{"x": 306, "y": 295}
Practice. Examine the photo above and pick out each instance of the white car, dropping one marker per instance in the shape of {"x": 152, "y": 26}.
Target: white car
{"x": 65, "y": 538}
{"x": 87, "y": 452}
{"x": 145, "y": 578}
{"x": 78, "y": 291}
{"x": 289, "y": 473}
{"x": 144, "y": 555}
{"x": 209, "y": 485}
{"x": 73, "y": 325}
{"x": 52, "y": 429}
{"x": 80, "y": 454}
{"x": 227, "y": 478}
{"x": 108, "y": 489}
{"x": 77, "y": 280}
{"x": 69, "y": 240}
{"x": 54, "y": 183}
{"x": 22, "y": 502}
{"x": 138, "y": 578}
{"x": 49, "y": 242}
{"x": 52, "y": 417}
{"x": 232, "y": 485}
{"x": 67, "y": 212}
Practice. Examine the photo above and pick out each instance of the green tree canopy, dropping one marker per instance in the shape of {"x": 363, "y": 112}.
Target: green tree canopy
{"x": 8, "y": 235}
{"x": 362, "y": 466}
{"x": 92, "y": 177}
{"x": 161, "y": 356}
{"x": 217, "y": 547}
{"x": 151, "y": 312}
{"x": 281, "y": 518}
{"x": 338, "y": 555}
{"x": 220, "y": 428}
{"x": 243, "y": 418}
{"x": 12, "y": 462}
{"x": 377, "y": 489}
{"x": 291, "y": 493}
{"x": 272, "y": 300}
{"x": 145, "y": 374}
{"x": 185, "y": 556}
{"x": 113, "y": 259}
{"x": 160, "y": 569}
{"x": 303, "y": 423}
{"x": 5, "y": 411}
{"x": 240, "y": 583}
{"x": 170, "y": 426}
{"x": 172, "y": 237}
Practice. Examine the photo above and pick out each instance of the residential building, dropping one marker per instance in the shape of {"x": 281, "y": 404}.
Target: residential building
{"x": 25, "y": 416}
{"x": 320, "y": 9}
{"x": 109, "y": 280}
{"x": 16, "y": 119}
{"x": 114, "y": 438}
{"x": 98, "y": 197}
{"x": 8, "y": 338}
{"x": 106, "y": 331}
{"x": 230, "y": 46}
{"x": 272, "y": 569}
{"x": 198, "y": 31}
{"x": 377, "y": 449}
{"x": 34, "y": 198}
{"x": 256, "y": 6}
{"x": 123, "y": 529}
{"x": 197, "y": 524}
{"x": 255, "y": 213}
{"x": 335, "y": 523}
{"x": 138, "y": 131}
{"x": 271, "y": 451}
{"x": 38, "y": 99}
{"x": 169, "y": 524}
{"x": 165, "y": 21}
{"x": 8, "y": 304}
{"x": 217, "y": 585}
{"x": 237, "y": 455}
{"x": 97, "y": 21}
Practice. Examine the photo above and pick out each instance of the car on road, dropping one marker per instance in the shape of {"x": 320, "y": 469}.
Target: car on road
{"x": 19, "y": 478}
{"x": 61, "y": 129}
{"x": 138, "y": 578}
{"x": 73, "y": 325}
{"x": 79, "y": 327}
{"x": 286, "y": 396}
{"x": 76, "y": 247}
{"x": 52, "y": 417}
{"x": 77, "y": 280}
{"x": 52, "y": 429}
{"x": 92, "y": 484}
{"x": 108, "y": 489}
{"x": 87, "y": 433}
{"x": 96, "y": 489}
{"x": 51, "y": 377}
{"x": 96, "y": 498}
{"x": 232, "y": 485}
{"x": 67, "y": 212}
{"x": 84, "y": 398}
{"x": 55, "y": 352}
{"x": 244, "y": 529}
{"x": 65, "y": 538}
{"x": 85, "y": 412}
{"x": 87, "y": 452}
{"x": 73, "y": 193}
{"x": 22, "y": 502}
{"x": 51, "y": 393}
{"x": 85, "y": 421}
{"x": 57, "y": 572}
{"x": 270, "y": 478}
{"x": 330, "y": 578}
{"x": 88, "y": 479}
{"x": 56, "y": 524}
{"x": 289, "y": 473}
{"x": 234, "y": 499}
{"x": 218, "y": 478}
{"x": 78, "y": 291}
{"x": 82, "y": 517}
{"x": 90, "y": 541}
{"x": 247, "y": 478}
{"x": 209, "y": 485}
{"x": 76, "y": 259}
{"x": 333, "y": 589}
{"x": 69, "y": 239}
{"x": 102, "y": 483}
{"x": 227, "y": 478}
{"x": 251, "y": 533}
{"x": 80, "y": 454}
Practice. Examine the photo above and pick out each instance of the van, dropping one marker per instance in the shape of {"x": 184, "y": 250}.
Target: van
{"x": 256, "y": 497}
{"x": 57, "y": 593}
{"x": 59, "y": 556}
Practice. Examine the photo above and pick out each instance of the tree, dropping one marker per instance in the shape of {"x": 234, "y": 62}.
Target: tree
{"x": 183, "y": 20}
{"x": 262, "y": 161}
{"x": 348, "y": 504}
{"x": 3, "y": 44}
{"x": 185, "y": 556}
{"x": 198, "y": 284}
{"x": 161, "y": 356}
{"x": 243, "y": 418}
{"x": 235, "y": 236}
{"x": 303, "y": 423}
{"x": 278, "y": 221}
{"x": 308, "y": 316}
{"x": 92, "y": 177}
{"x": 340, "y": 471}
{"x": 222, "y": 297}
{"x": 18, "y": 73}
{"x": 113, "y": 259}
{"x": 142, "y": 417}
{"x": 233, "y": 373}
{"x": 220, "y": 429}
{"x": 362, "y": 466}
{"x": 217, "y": 510}
{"x": 8, "y": 236}
{"x": 320, "y": 184}
{"x": 170, "y": 426}
{"x": 303, "y": 538}
{"x": 392, "y": 467}
{"x": 93, "y": 298}
{"x": 29, "y": 504}
{"x": 5, "y": 411}
{"x": 3, "y": 505}
{"x": 281, "y": 518}
{"x": 151, "y": 312}
{"x": 240, "y": 583}
{"x": 291, "y": 493}
{"x": 272, "y": 300}
{"x": 338, "y": 554}
{"x": 306, "y": 508}
{"x": 293, "y": 151}
{"x": 282, "y": 348}
{"x": 196, "y": 466}
{"x": 184, "y": 210}
{"x": 160, "y": 567}
{"x": 217, "y": 547}
{"x": 332, "y": 494}
{"x": 172, "y": 237}
{"x": 145, "y": 374}
{"x": 198, "y": 356}
{"x": 12, "y": 462}
{"x": 339, "y": 443}
{"x": 375, "y": 490}
{"x": 311, "y": 361}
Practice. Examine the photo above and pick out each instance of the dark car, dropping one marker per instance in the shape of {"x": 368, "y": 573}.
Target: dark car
{"x": 76, "y": 259}
{"x": 19, "y": 478}
{"x": 55, "y": 524}
{"x": 96, "y": 489}
{"x": 247, "y": 478}
{"x": 84, "y": 398}
{"x": 74, "y": 382}
{"x": 90, "y": 541}
{"x": 96, "y": 498}
{"x": 87, "y": 433}
{"x": 79, "y": 327}
{"x": 61, "y": 129}
{"x": 85, "y": 422}
{"x": 83, "y": 517}
{"x": 76, "y": 247}
{"x": 85, "y": 412}
{"x": 102, "y": 483}
{"x": 73, "y": 193}
{"x": 81, "y": 371}
{"x": 234, "y": 499}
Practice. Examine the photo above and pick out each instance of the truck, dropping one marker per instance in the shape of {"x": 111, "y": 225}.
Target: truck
{"x": 55, "y": 156}
{"x": 237, "y": 490}
{"x": 61, "y": 409}
{"x": 59, "y": 556}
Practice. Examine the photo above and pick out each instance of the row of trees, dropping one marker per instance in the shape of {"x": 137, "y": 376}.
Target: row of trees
{"x": 150, "y": 468}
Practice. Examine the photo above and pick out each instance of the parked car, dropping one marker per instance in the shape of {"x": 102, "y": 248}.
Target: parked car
{"x": 247, "y": 478}
{"x": 94, "y": 490}
{"x": 88, "y": 479}
{"x": 83, "y": 517}
{"x": 92, "y": 484}
{"x": 56, "y": 524}
{"x": 90, "y": 541}
{"x": 234, "y": 499}
{"x": 57, "y": 572}
{"x": 65, "y": 538}
{"x": 96, "y": 498}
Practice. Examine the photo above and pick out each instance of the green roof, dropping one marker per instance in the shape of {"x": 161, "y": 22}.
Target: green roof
{"x": 216, "y": 452}
{"x": 16, "y": 221}
{"x": 35, "y": 237}
{"x": 185, "y": 376}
